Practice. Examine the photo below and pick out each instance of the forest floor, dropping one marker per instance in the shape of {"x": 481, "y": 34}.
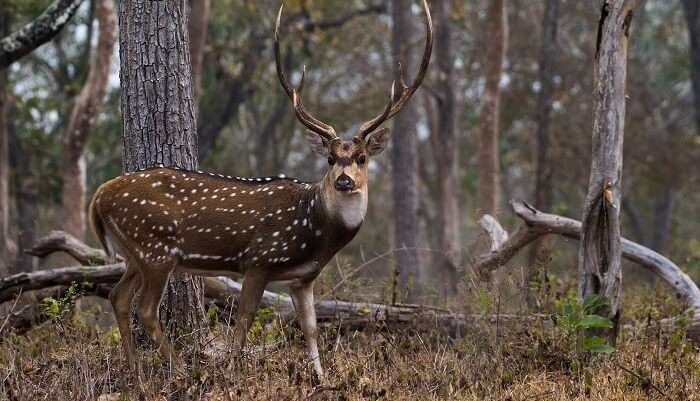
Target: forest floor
{"x": 66, "y": 359}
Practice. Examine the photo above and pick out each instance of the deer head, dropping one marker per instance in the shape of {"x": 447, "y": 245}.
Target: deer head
{"x": 344, "y": 186}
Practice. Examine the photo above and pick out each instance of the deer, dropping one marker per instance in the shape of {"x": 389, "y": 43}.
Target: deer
{"x": 266, "y": 229}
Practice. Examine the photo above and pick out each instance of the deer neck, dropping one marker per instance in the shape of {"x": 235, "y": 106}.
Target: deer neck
{"x": 347, "y": 210}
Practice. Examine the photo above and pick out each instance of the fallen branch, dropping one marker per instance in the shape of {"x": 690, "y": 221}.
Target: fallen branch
{"x": 96, "y": 280}
{"x": 61, "y": 241}
{"x": 12, "y": 286}
{"x": 538, "y": 224}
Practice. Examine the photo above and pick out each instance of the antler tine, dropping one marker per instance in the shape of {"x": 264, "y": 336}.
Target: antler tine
{"x": 311, "y": 122}
{"x": 305, "y": 118}
{"x": 278, "y": 57}
{"x": 399, "y": 99}
{"x": 374, "y": 123}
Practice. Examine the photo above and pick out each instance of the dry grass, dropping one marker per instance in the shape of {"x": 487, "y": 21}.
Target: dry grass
{"x": 64, "y": 360}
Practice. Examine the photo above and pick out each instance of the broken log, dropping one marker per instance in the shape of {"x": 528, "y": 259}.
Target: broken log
{"x": 224, "y": 290}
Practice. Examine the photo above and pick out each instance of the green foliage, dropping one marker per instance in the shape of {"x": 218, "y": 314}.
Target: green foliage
{"x": 258, "y": 330}
{"x": 113, "y": 336}
{"x": 577, "y": 318}
{"x": 58, "y": 308}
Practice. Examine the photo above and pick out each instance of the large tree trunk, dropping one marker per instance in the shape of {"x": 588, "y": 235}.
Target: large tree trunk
{"x": 82, "y": 120}
{"x": 543, "y": 170}
{"x": 404, "y": 165}
{"x": 158, "y": 113}
{"x": 488, "y": 189}
{"x": 600, "y": 249}
{"x": 199, "y": 23}
{"x": 692, "y": 16}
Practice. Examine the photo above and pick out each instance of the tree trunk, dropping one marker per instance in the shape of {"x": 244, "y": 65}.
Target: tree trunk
{"x": 199, "y": 22}
{"x": 446, "y": 147}
{"x": 404, "y": 164}
{"x": 158, "y": 113}
{"x": 692, "y": 16}
{"x": 4, "y": 157}
{"x": 600, "y": 248}
{"x": 25, "y": 191}
{"x": 82, "y": 120}
{"x": 543, "y": 113}
{"x": 488, "y": 189}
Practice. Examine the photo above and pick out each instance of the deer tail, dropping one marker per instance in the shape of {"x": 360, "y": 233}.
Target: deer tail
{"x": 97, "y": 225}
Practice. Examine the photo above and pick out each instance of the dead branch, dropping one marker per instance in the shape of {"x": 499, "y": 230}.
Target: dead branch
{"x": 97, "y": 280}
{"x": 61, "y": 241}
{"x": 12, "y": 286}
{"x": 538, "y": 224}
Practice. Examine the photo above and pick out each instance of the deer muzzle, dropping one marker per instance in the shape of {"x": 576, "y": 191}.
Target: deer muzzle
{"x": 344, "y": 183}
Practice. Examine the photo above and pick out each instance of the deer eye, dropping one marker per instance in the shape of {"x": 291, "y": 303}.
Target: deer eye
{"x": 331, "y": 160}
{"x": 361, "y": 159}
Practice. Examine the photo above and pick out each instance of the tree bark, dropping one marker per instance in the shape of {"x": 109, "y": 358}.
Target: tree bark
{"x": 692, "y": 16}
{"x": 543, "y": 115}
{"x": 488, "y": 188}
{"x": 36, "y": 33}
{"x": 4, "y": 157}
{"x": 158, "y": 114}
{"x": 82, "y": 120}
{"x": 199, "y": 22}
{"x": 600, "y": 248}
{"x": 404, "y": 164}
{"x": 446, "y": 153}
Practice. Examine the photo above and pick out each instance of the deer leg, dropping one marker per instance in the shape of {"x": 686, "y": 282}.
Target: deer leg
{"x": 121, "y": 296}
{"x": 154, "y": 281}
{"x": 251, "y": 292}
{"x": 303, "y": 299}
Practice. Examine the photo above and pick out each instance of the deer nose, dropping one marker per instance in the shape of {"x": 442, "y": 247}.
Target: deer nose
{"x": 344, "y": 183}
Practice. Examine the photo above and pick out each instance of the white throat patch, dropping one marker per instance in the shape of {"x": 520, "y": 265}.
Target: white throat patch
{"x": 352, "y": 209}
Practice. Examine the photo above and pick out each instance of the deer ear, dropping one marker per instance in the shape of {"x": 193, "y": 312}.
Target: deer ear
{"x": 318, "y": 143}
{"x": 377, "y": 141}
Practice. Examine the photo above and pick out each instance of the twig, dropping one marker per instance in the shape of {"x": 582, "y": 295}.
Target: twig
{"x": 9, "y": 314}
{"x": 644, "y": 380}
{"x": 367, "y": 263}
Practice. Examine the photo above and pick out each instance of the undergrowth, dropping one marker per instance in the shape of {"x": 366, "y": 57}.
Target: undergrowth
{"x": 65, "y": 359}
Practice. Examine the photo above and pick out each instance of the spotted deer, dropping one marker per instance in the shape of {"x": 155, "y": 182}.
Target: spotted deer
{"x": 267, "y": 229}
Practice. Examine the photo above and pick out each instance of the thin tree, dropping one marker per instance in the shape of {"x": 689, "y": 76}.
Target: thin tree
{"x": 199, "y": 22}
{"x": 404, "y": 164}
{"x": 158, "y": 115}
{"x": 600, "y": 247}
{"x": 4, "y": 157}
{"x": 543, "y": 115}
{"x": 82, "y": 120}
{"x": 692, "y": 17}
{"x": 488, "y": 191}
{"x": 445, "y": 148}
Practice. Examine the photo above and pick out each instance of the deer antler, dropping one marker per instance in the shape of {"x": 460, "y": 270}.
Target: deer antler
{"x": 399, "y": 98}
{"x": 311, "y": 122}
